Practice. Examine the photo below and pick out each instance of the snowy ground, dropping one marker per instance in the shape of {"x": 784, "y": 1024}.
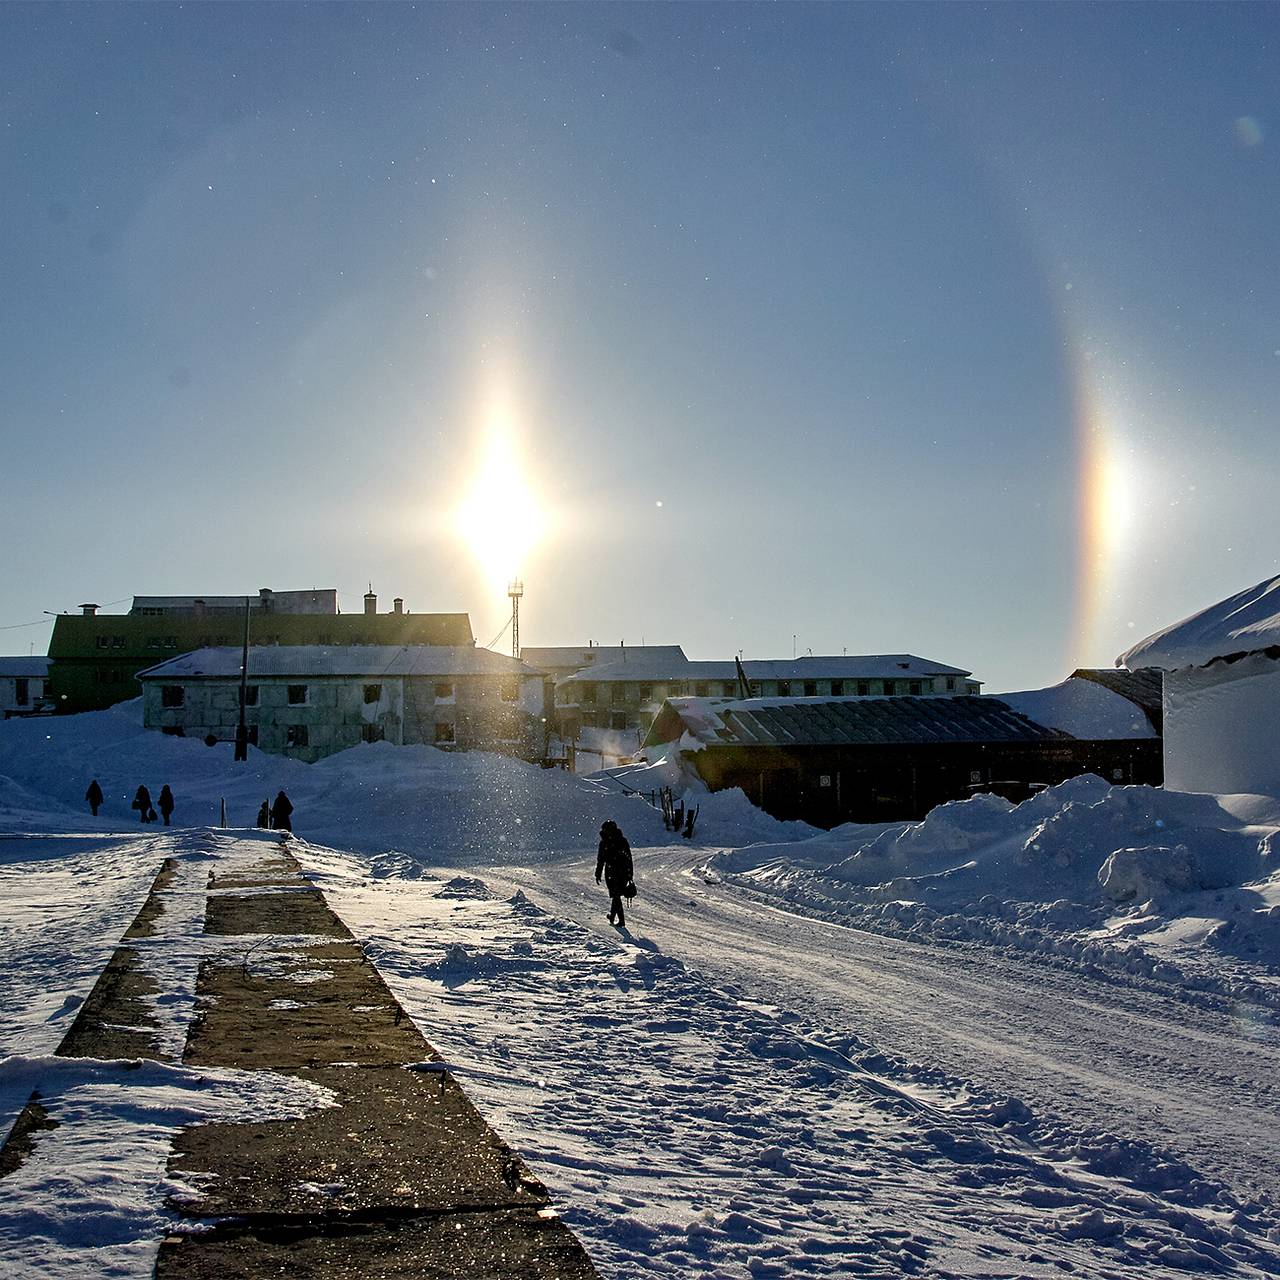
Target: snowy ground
{"x": 907, "y": 1050}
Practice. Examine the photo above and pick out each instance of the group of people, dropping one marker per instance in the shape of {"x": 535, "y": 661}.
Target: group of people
{"x": 276, "y": 814}
{"x": 141, "y": 802}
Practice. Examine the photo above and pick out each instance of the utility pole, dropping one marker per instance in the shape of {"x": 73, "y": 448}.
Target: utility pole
{"x": 242, "y": 729}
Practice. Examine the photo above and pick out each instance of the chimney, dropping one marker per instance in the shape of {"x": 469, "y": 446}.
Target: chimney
{"x": 398, "y": 605}
{"x": 264, "y": 599}
{"x": 370, "y": 603}
{"x": 200, "y": 608}
{"x": 88, "y": 610}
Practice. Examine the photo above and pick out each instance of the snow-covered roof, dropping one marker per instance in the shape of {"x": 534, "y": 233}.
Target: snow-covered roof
{"x": 371, "y": 660}
{"x": 548, "y": 658}
{"x": 24, "y": 668}
{"x": 1084, "y": 709}
{"x": 878, "y": 666}
{"x": 843, "y": 721}
{"x": 1243, "y": 623}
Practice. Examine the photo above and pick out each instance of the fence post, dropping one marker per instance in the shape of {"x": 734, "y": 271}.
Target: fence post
{"x": 224, "y": 812}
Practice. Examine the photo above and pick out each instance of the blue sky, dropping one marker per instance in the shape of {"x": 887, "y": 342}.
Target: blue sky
{"x": 946, "y": 329}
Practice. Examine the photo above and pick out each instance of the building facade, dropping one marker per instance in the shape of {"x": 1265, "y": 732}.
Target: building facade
{"x": 94, "y": 659}
{"x": 308, "y": 702}
{"x": 23, "y": 684}
{"x": 626, "y": 695}
{"x": 1221, "y": 694}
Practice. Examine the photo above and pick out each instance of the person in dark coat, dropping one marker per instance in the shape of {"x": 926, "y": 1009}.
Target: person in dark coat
{"x": 142, "y": 802}
{"x": 94, "y": 796}
{"x": 280, "y": 811}
{"x": 166, "y": 803}
{"x": 264, "y": 815}
{"x": 614, "y": 863}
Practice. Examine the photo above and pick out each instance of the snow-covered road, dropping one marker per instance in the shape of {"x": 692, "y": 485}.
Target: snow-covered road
{"x": 1134, "y": 1059}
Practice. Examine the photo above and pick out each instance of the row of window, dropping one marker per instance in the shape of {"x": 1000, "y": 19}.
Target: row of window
{"x": 644, "y": 693}
{"x": 297, "y": 695}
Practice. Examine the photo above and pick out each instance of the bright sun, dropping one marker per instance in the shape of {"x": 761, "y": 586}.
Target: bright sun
{"x": 499, "y": 519}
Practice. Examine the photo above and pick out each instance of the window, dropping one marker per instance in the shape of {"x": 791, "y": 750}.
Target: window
{"x": 618, "y": 695}
{"x": 103, "y": 642}
{"x": 371, "y": 732}
{"x": 251, "y": 695}
{"x": 699, "y": 690}
{"x": 297, "y": 695}
{"x": 646, "y": 692}
{"x": 617, "y": 720}
{"x": 837, "y": 688}
{"x": 784, "y": 688}
{"x": 914, "y": 688}
{"x": 153, "y": 642}
{"x": 172, "y": 695}
{"x": 810, "y": 688}
{"x": 296, "y": 735}
{"x": 444, "y": 689}
{"x": 510, "y": 690}
{"x": 117, "y": 642}
{"x": 444, "y": 731}
{"x": 863, "y": 688}
{"x": 890, "y": 688}
{"x": 20, "y": 692}
{"x": 372, "y": 693}
{"x": 951, "y": 684}
{"x": 170, "y": 642}
{"x": 730, "y": 689}
{"x": 253, "y": 734}
{"x": 588, "y": 695}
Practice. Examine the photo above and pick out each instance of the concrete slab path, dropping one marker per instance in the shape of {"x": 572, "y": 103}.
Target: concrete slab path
{"x": 400, "y": 1177}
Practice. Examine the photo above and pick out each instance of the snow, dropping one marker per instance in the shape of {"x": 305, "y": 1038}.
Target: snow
{"x": 1243, "y": 623}
{"x": 1005, "y": 1040}
{"x": 1082, "y": 708}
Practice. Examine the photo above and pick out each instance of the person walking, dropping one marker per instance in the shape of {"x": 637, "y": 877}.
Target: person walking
{"x": 94, "y": 797}
{"x": 280, "y": 811}
{"x": 264, "y": 815}
{"x": 166, "y": 803}
{"x": 142, "y": 802}
{"x": 614, "y": 863}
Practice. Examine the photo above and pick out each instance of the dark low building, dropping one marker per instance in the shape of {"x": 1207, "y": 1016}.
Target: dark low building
{"x": 828, "y": 761}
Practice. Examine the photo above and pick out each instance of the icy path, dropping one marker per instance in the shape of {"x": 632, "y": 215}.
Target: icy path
{"x": 1133, "y": 1059}
{"x": 710, "y": 1097}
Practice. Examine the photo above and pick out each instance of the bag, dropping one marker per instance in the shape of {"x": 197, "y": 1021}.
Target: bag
{"x": 629, "y": 890}
{"x": 151, "y": 815}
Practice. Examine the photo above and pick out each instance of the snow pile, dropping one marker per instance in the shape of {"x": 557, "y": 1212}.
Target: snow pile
{"x": 440, "y": 806}
{"x": 1084, "y": 709}
{"x": 1129, "y": 878}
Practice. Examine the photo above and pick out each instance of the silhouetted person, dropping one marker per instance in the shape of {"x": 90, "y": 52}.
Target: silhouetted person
{"x": 142, "y": 802}
{"x": 614, "y": 861}
{"x": 280, "y": 811}
{"x": 94, "y": 796}
{"x": 166, "y": 803}
{"x": 264, "y": 815}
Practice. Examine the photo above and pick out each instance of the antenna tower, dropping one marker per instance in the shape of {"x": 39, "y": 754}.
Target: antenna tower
{"x": 515, "y": 590}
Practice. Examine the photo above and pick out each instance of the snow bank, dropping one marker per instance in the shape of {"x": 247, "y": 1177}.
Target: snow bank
{"x": 1108, "y": 875}
{"x": 439, "y": 806}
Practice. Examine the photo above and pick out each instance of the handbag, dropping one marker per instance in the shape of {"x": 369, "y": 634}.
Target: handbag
{"x": 629, "y": 890}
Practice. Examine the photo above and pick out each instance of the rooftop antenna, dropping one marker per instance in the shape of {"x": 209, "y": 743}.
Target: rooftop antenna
{"x": 515, "y": 590}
